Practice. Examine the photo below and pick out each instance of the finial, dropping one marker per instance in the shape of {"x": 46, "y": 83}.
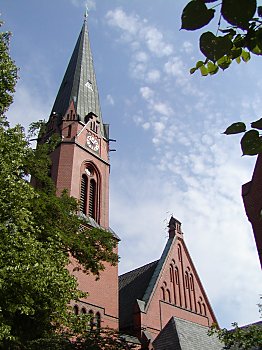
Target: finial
{"x": 86, "y": 13}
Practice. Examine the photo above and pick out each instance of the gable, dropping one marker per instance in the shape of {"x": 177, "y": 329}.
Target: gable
{"x": 175, "y": 289}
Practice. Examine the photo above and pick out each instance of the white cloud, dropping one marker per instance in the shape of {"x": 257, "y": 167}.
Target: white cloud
{"x": 120, "y": 19}
{"x": 146, "y": 126}
{"x": 134, "y": 30}
{"x": 155, "y": 41}
{"x": 28, "y": 106}
{"x": 187, "y": 47}
{"x": 146, "y": 92}
{"x": 110, "y": 100}
{"x": 153, "y": 76}
{"x": 162, "y": 108}
{"x": 90, "y": 4}
{"x": 141, "y": 56}
{"x": 175, "y": 67}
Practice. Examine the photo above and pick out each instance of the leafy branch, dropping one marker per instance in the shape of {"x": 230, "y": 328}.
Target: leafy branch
{"x": 241, "y": 37}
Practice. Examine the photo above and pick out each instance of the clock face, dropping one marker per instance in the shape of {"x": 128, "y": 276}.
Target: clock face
{"x": 92, "y": 143}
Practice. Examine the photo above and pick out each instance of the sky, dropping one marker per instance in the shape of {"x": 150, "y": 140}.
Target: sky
{"x": 171, "y": 157}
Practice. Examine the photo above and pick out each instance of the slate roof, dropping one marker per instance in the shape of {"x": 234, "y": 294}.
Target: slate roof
{"x": 79, "y": 82}
{"x": 180, "y": 334}
{"x": 132, "y": 286}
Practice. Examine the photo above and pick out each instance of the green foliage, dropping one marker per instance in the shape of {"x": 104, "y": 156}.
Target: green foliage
{"x": 251, "y": 142}
{"x": 39, "y": 232}
{"x": 8, "y": 72}
{"x": 200, "y": 12}
{"x": 241, "y": 338}
{"x": 235, "y": 128}
{"x": 242, "y": 32}
{"x": 241, "y": 27}
{"x": 104, "y": 339}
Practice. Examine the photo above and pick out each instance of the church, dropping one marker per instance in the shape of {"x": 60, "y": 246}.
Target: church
{"x": 161, "y": 305}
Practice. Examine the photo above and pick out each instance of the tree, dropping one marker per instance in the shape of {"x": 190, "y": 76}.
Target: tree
{"x": 241, "y": 338}
{"x": 38, "y": 233}
{"x": 240, "y": 26}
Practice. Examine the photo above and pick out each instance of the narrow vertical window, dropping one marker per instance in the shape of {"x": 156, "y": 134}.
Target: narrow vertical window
{"x": 83, "y": 194}
{"x": 92, "y": 199}
{"x": 204, "y": 309}
{"x": 76, "y": 310}
{"x": 98, "y": 320}
{"x": 163, "y": 296}
{"x": 69, "y": 130}
{"x": 168, "y": 296}
{"x": 91, "y": 319}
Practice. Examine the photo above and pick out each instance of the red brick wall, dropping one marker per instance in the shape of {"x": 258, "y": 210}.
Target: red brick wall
{"x": 68, "y": 164}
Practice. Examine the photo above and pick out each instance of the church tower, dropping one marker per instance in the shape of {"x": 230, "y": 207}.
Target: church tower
{"x": 80, "y": 164}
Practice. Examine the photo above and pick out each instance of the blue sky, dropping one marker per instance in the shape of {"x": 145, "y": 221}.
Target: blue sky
{"x": 171, "y": 157}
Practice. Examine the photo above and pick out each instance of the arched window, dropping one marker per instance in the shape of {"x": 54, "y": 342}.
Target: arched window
{"x": 98, "y": 320}
{"x": 69, "y": 130}
{"x": 168, "y": 296}
{"x": 83, "y": 310}
{"x": 163, "y": 297}
{"x": 171, "y": 271}
{"x": 191, "y": 282}
{"x": 176, "y": 275}
{"x": 76, "y": 310}
{"x": 204, "y": 309}
{"x": 90, "y": 191}
{"x": 92, "y": 199}
{"x": 91, "y": 320}
{"x": 199, "y": 307}
{"x": 179, "y": 253}
{"x": 83, "y": 194}
{"x": 186, "y": 280}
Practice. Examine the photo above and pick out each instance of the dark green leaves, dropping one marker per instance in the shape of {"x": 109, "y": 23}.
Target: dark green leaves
{"x": 238, "y": 12}
{"x": 257, "y": 124}
{"x": 196, "y": 15}
{"x": 251, "y": 143}
{"x": 8, "y": 73}
{"x": 235, "y": 128}
{"x": 214, "y": 47}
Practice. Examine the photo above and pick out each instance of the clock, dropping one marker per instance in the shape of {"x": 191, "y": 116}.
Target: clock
{"x": 92, "y": 143}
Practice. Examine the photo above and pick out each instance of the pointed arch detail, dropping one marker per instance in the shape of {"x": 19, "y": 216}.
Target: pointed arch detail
{"x": 90, "y": 190}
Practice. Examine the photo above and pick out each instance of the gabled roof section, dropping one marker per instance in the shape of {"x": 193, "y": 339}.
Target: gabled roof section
{"x": 185, "y": 335}
{"x": 79, "y": 82}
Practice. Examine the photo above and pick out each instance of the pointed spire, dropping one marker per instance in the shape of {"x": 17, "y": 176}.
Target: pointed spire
{"x": 79, "y": 82}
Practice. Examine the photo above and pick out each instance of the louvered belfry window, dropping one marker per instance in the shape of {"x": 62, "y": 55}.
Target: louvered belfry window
{"x": 92, "y": 199}
{"x": 83, "y": 194}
